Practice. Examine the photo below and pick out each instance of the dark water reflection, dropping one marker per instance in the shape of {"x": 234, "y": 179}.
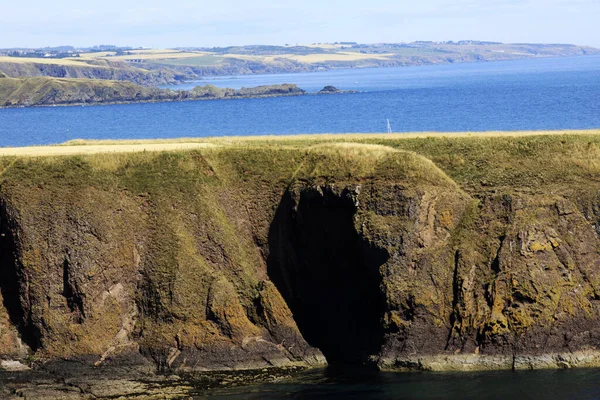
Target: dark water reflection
{"x": 360, "y": 384}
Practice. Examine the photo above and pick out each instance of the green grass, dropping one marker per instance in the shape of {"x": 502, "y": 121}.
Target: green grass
{"x": 528, "y": 160}
{"x": 477, "y": 162}
{"x": 200, "y": 61}
{"x": 474, "y": 161}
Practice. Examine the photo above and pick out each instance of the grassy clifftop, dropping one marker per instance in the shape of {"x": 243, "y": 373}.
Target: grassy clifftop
{"x": 461, "y": 252}
{"x": 476, "y": 161}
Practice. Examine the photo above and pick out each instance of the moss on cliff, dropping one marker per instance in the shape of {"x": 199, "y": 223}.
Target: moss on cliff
{"x": 489, "y": 249}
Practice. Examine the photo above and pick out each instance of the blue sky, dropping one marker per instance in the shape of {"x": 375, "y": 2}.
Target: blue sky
{"x": 153, "y": 23}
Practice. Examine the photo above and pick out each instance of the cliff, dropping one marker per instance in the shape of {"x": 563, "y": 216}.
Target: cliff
{"x": 426, "y": 253}
{"x": 88, "y": 69}
{"x": 168, "y": 66}
{"x": 25, "y": 92}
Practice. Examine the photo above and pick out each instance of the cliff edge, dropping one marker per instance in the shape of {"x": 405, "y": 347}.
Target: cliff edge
{"x": 431, "y": 253}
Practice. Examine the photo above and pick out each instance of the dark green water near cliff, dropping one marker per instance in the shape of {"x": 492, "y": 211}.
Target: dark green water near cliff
{"x": 353, "y": 384}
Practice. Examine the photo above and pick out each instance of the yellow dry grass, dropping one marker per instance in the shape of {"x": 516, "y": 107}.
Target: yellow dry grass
{"x": 91, "y": 56}
{"x": 149, "y": 54}
{"x": 157, "y": 56}
{"x": 169, "y": 54}
{"x": 328, "y": 137}
{"x": 312, "y": 58}
{"x": 339, "y": 143}
{"x": 325, "y": 46}
{"x": 339, "y": 56}
{"x": 38, "y": 151}
{"x": 253, "y": 58}
{"x": 48, "y": 61}
{"x": 154, "y": 51}
{"x": 393, "y": 136}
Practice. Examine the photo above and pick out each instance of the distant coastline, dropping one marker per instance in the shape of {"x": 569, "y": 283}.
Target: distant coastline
{"x": 51, "y": 92}
{"x": 107, "y": 75}
{"x": 157, "y": 67}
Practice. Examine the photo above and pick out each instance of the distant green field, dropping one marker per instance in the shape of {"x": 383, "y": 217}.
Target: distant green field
{"x": 409, "y": 52}
{"x": 406, "y": 51}
{"x": 200, "y": 61}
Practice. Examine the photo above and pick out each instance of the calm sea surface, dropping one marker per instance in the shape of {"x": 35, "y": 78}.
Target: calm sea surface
{"x": 537, "y": 94}
{"x": 355, "y": 385}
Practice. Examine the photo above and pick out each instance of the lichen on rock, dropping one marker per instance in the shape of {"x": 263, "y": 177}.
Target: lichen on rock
{"x": 246, "y": 257}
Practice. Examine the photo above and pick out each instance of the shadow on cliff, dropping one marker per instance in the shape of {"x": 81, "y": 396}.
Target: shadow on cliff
{"x": 10, "y": 279}
{"x": 328, "y": 274}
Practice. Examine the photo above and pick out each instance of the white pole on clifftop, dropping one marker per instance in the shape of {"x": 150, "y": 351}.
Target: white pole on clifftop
{"x": 389, "y": 127}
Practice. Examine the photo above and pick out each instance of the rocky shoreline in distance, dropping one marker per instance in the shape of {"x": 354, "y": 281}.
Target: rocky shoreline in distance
{"x": 44, "y": 92}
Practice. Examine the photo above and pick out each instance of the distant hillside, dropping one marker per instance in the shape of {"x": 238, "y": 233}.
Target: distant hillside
{"x": 168, "y": 66}
{"x": 17, "y": 67}
{"x": 45, "y": 91}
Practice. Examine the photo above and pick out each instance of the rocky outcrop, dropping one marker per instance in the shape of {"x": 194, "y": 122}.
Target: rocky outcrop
{"x": 247, "y": 258}
{"x": 53, "y": 91}
{"x": 329, "y": 90}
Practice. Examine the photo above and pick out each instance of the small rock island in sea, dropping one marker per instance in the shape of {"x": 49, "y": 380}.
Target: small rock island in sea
{"x": 333, "y": 90}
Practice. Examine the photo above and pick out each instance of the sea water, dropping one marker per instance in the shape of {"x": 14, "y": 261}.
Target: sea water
{"x": 358, "y": 384}
{"x": 534, "y": 94}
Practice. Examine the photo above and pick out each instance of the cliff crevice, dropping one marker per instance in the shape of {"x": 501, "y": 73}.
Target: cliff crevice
{"x": 327, "y": 273}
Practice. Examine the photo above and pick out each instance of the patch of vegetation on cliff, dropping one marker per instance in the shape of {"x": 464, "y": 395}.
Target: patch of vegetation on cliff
{"x": 533, "y": 162}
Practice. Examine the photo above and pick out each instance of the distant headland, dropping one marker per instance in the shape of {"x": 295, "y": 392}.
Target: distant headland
{"x": 109, "y": 74}
{"x": 152, "y": 67}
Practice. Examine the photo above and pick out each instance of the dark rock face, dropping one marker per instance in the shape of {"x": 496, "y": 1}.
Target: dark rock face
{"x": 329, "y": 90}
{"x": 17, "y": 335}
{"x": 542, "y": 279}
{"x": 272, "y": 90}
{"x": 424, "y": 272}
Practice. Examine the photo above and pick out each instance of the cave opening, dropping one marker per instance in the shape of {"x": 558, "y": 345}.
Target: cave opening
{"x": 11, "y": 280}
{"x": 328, "y": 274}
